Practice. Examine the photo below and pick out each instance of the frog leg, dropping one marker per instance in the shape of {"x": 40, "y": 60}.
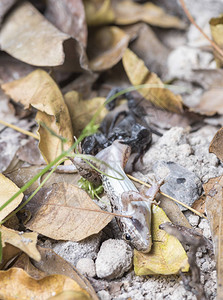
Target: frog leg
{"x": 130, "y": 196}
{"x": 150, "y": 194}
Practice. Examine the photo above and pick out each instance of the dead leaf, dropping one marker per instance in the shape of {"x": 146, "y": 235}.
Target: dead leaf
{"x": 98, "y": 12}
{"x": 26, "y": 241}
{"x": 69, "y": 17}
{"x": 106, "y": 47}
{"x": 7, "y": 190}
{"x": 199, "y": 204}
{"x": 81, "y": 111}
{"x": 69, "y": 295}
{"x": 216, "y": 145}
{"x": 16, "y": 283}
{"x": 167, "y": 255}
{"x": 216, "y": 25}
{"x": 52, "y": 263}
{"x": 58, "y": 213}
{"x": 5, "y": 6}
{"x": 29, "y": 37}
{"x": 40, "y": 91}
{"x": 30, "y": 153}
{"x": 214, "y": 196}
{"x": 139, "y": 74}
{"x": 128, "y": 12}
{"x": 9, "y": 254}
{"x": 22, "y": 175}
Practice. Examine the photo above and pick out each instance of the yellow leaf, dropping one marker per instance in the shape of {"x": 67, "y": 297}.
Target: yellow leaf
{"x": 167, "y": 255}
{"x": 216, "y": 25}
{"x": 98, "y": 12}
{"x": 7, "y": 190}
{"x": 17, "y": 284}
{"x": 106, "y": 47}
{"x": 127, "y": 12}
{"x": 39, "y": 90}
{"x": 66, "y": 212}
{"x": 81, "y": 111}
{"x": 138, "y": 74}
{"x": 26, "y": 241}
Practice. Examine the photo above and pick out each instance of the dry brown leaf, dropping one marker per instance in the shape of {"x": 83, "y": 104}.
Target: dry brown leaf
{"x": 26, "y": 241}
{"x": 9, "y": 254}
{"x": 7, "y": 190}
{"x": 138, "y": 74}
{"x": 22, "y": 175}
{"x": 213, "y": 190}
{"x": 69, "y": 17}
{"x": 128, "y": 12}
{"x": 39, "y": 90}
{"x": 17, "y": 284}
{"x": 199, "y": 204}
{"x": 52, "y": 263}
{"x": 29, "y": 37}
{"x": 106, "y": 47}
{"x": 81, "y": 111}
{"x": 216, "y": 25}
{"x": 30, "y": 153}
{"x": 64, "y": 212}
{"x": 216, "y": 145}
{"x": 98, "y": 12}
{"x": 167, "y": 255}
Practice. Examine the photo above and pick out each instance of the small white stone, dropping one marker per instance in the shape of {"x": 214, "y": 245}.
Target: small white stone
{"x": 104, "y": 295}
{"x": 86, "y": 266}
{"x": 193, "y": 220}
{"x": 205, "y": 227}
{"x": 114, "y": 259}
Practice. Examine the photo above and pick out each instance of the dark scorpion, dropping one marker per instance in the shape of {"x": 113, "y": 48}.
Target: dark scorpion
{"x": 129, "y": 126}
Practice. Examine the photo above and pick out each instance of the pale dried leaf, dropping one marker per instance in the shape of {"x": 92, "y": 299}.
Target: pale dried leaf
{"x": 167, "y": 255}
{"x": 106, "y": 47}
{"x": 81, "y": 111}
{"x": 39, "y": 90}
{"x": 128, "y": 12}
{"x": 216, "y": 145}
{"x": 98, "y": 12}
{"x": 5, "y": 5}
{"x": 16, "y": 283}
{"x": 26, "y": 241}
{"x": 64, "y": 212}
{"x": 29, "y": 37}
{"x": 69, "y": 17}
{"x": 7, "y": 190}
{"x": 138, "y": 74}
{"x": 213, "y": 190}
{"x": 216, "y": 25}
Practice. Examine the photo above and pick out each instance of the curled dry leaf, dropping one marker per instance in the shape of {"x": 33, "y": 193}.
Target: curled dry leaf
{"x": 17, "y": 284}
{"x": 29, "y": 37}
{"x": 167, "y": 255}
{"x": 66, "y": 212}
{"x": 128, "y": 12}
{"x": 98, "y": 12}
{"x": 39, "y": 90}
{"x": 81, "y": 111}
{"x": 26, "y": 241}
{"x": 106, "y": 47}
{"x": 216, "y": 145}
{"x": 7, "y": 190}
{"x": 139, "y": 74}
{"x": 69, "y": 17}
{"x": 213, "y": 190}
{"x": 216, "y": 25}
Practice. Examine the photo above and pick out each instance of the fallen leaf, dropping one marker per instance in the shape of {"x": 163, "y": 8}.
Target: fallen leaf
{"x": 216, "y": 25}
{"x": 29, "y": 37}
{"x": 30, "y": 153}
{"x": 5, "y": 6}
{"x": 9, "y": 254}
{"x": 128, "y": 12}
{"x": 138, "y": 74}
{"x": 7, "y": 190}
{"x": 69, "y": 17}
{"x": 52, "y": 263}
{"x": 39, "y": 90}
{"x": 17, "y": 284}
{"x": 98, "y": 12}
{"x": 167, "y": 255}
{"x": 22, "y": 175}
{"x": 214, "y": 209}
{"x": 81, "y": 111}
{"x": 26, "y": 241}
{"x": 199, "y": 204}
{"x": 64, "y": 212}
{"x": 70, "y": 295}
{"x": 216, "y": 145}
{"x": 106, "y": 47}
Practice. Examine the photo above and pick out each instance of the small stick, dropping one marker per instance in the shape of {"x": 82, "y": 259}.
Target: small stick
{"x": 19, "y": 129}
{"x": 214, "y": 45}
{"x": 177, "y": 201}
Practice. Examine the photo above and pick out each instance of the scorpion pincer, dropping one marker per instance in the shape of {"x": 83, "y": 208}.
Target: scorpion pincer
{"x": 125, "y": 198}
